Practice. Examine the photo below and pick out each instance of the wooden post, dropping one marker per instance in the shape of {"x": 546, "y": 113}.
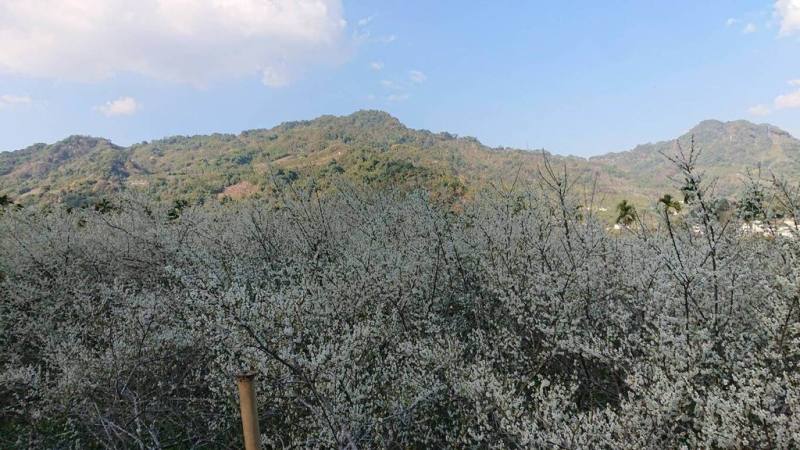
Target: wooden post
{"x": 247, "y": 403}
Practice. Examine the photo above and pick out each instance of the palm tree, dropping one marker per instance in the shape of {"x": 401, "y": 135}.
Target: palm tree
{"x": 669, "y": 203}
{"x": 626, "y": 213}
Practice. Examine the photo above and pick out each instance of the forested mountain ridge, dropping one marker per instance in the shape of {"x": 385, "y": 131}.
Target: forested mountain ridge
{"x": 369, "y": 147}
{"x": 728, "y": 151}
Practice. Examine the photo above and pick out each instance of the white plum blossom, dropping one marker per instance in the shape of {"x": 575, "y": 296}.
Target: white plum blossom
{"x": 396, "y": 320}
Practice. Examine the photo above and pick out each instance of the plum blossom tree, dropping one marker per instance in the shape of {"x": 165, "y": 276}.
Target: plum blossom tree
{"x": 382, "y": 319}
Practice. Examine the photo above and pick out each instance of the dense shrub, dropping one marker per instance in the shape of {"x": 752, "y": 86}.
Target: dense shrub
{"x": 391, "y": 320}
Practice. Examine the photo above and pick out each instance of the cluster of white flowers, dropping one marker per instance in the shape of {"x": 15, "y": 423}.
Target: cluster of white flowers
{"x": 390, "y": 320}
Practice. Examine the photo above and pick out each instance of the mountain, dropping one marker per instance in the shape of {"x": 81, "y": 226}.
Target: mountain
{"x": 69, "y": 167}
{"x": 727, "y": 151}
{"x": 370, "y": 147}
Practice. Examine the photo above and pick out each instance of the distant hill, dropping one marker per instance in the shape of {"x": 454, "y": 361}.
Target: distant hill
{"x": 64, "y": 171}
{"x": 370, "y": 147}
{"x": 728, "y": 151}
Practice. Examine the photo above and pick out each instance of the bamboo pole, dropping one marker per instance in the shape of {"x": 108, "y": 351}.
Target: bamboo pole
{"x": 247, "y": 403}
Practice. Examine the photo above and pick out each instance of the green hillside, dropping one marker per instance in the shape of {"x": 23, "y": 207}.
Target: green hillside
{"x": 368, "y": 147}
{"x": 728, "y": 151}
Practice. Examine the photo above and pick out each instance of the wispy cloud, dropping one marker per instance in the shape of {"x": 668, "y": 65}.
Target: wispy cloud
{"x": 123, "y": 106}
{"x": 402, "y": 87}
{"x": 416, "y": 76}
{"x": 8, "y": 100}
{"x": 276, "y": 76}
{"x": 376, "y": 65}
{"x": 759, "y": 110}
{"x": 788, "y": 101}
{"x": 195, "y": 42}
{"x": 788, "y": 14}
{"x": 388, "y": 39}
{"x": 365, "y": 21}
{"x": 389, "y": 84}
{"x": 747, "y": 28}
{"x": 397, "y": 97}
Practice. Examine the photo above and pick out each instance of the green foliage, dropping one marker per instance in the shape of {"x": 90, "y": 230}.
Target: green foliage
{"x": 367, "y": 146}
{"x": 287, "y": 176}
{"x": 752, "y": 203}
{"x": 177, "y": 208}
{"x": 669, "y": 203}
{"x": 104, "y": 206}
{"x": 243, "y": 159}
{"x": 626, "y": 213}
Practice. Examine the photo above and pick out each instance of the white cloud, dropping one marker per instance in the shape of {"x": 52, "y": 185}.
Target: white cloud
{"x": 731, "y": 22}
{"x": 389, "y": 84}
{"x": 365, "y": 21}
{"x": 416, "y": 76}
{"x": 749, "y": 28}
{"x": 759, "y": 110}
{"x": 376, "y": 65}
{"x": 278, "y": 76}
{"x": 397, "y": 97}
{"x": 388, "y": 39}
{"x": 788, "y": 13}
{"x": 123, "y": 106}
{"x": 788, "y": 101}
{"x": 9, "y": 100}
{"x": 192, "y": 41}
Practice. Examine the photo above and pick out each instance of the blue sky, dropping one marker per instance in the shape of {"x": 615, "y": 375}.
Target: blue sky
{"x": 578, "y": 77}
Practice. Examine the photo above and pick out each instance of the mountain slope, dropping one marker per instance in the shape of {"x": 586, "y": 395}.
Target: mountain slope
{"x": 75, "y": 166}
{"x": 727, "y": 151}
{"x": 367, "y": 146}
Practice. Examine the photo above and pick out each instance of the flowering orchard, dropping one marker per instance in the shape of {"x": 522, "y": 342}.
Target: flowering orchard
{"x": 390, "y": 320}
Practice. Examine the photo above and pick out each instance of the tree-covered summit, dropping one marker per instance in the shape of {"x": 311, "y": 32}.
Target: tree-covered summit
{"x": 370, "y": 147}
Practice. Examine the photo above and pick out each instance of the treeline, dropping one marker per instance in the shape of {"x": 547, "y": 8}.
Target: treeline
{"x": 381, "y": 319}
